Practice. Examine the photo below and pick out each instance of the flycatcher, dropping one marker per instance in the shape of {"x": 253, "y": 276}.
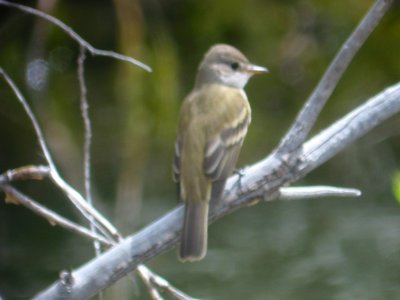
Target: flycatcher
{"x": 213, "y": 122}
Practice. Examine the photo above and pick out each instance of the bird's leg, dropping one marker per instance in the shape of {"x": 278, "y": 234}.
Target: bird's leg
{"x": 240, "y": 173}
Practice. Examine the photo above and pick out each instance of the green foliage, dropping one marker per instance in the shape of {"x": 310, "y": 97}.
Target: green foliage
{"x": 396, "y": 185}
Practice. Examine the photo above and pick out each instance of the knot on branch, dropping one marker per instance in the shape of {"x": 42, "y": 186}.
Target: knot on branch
{"x": 66, "y": 280}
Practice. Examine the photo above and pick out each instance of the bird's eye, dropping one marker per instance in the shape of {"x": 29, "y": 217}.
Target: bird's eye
{"x": 235, "y": 66}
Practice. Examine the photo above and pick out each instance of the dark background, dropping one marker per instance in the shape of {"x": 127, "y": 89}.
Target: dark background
{"x": 311, "y": 249}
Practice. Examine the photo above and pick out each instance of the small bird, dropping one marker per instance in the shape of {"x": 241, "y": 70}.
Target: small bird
{"x": 213, "y": 122}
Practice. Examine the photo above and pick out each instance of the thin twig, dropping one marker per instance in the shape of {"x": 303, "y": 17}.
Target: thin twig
{"x": 164, "y": 285}
{"x": 86, "y": 124}
{"x": 310, "y": 192}
{"x": 306, "y": 118}
{"x": 327, "y": 143}
{"x": 87, "y": 144}
{"x": 39, "y": 172}
{"x": 75, "y": 36}
{"x": 87, "y": 139}
{"x": 142, "y": 270}
{"x": 94, "y": 217}
{"x": 30, "y": 172}
{"x": 31, "y": 116}
{"x": 76, "y": 198}
{"x": 16, "y": 197}
{"x": 146, "y": 278}
{"x": 87, "y": 210}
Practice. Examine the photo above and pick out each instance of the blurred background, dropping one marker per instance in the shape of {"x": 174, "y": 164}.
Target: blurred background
{"x": 311, "y": 249}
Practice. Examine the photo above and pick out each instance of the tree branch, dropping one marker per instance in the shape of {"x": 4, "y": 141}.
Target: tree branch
{"x": 306, "y": 118}
{"x": 310, "y": 192}
{"x": 162, "y": 284}
{"x": 261, "y": 181}
{"x": 94, "y": 217}
{"x": 351, "y": 127}
{"x": 76, "y": 198}
{"x": 94, "y": 51}
{"x": 16, "y": 197}
{"x": 87, "y": 125}
{"x": 31, "y": 115}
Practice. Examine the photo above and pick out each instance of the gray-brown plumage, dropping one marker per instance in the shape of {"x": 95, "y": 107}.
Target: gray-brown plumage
{"x": 213, "y": 122}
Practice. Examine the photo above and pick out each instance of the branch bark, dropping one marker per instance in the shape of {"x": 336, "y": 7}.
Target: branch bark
{"x": 306, "y": 118}
{"x": 261, "y": 181}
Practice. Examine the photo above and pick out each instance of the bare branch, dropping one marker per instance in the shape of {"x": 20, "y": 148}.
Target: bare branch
{"x": 306, "y": 118}
{"x": 87, "y": 210}
{"x": 145, "y": 274}
{"x": 86, "y": 124}
{"x": 259, "y": 180}
{"x": 16, "y": 197}
{"x": 94, "y": 217}
{"x": 25, "y": 173}
{"x": 310, "y": 192}
{"x": 87, "y": 139}
{"x": 162, "y": 284}
{"x": 151, "y": 279}
{"x": 351, "y": 127}
{"x": 75, "y": 36}
{"x": 31, "y": 116}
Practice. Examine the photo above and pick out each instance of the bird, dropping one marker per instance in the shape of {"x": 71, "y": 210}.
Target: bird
{"x": 213, "y": 122}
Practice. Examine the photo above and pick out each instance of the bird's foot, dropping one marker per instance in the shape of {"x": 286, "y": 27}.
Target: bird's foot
{"x": 240, "y": 173}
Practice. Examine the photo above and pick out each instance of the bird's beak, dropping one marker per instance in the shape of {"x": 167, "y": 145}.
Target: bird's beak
{"x": 253, "y": 69}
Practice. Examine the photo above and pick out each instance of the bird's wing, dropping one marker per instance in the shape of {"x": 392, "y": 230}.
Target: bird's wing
{"x": 222, "y": 151}
{"x": 185, "y": 118}
{"x": 176, "y": 164}
{"x": 223, "y": 141}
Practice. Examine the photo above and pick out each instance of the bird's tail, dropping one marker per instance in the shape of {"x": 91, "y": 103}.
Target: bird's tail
{"x": 194, "y": 234}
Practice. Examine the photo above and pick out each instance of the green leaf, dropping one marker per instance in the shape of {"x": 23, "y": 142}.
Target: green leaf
{"x": 396, "y": 185}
